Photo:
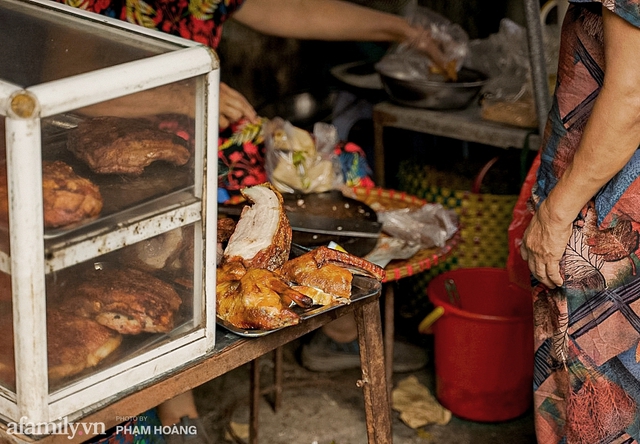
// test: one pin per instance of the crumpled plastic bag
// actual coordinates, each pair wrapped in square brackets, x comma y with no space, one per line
[504,58]
[417,406]
[429,226]
[507,97]
[296,161]
[390,248]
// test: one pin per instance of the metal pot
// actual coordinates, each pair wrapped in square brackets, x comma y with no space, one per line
[432,92]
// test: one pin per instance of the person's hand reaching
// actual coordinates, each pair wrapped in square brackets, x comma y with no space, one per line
[234,107]
[423,41]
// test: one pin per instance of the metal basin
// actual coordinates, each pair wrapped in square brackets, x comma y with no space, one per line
[432,92]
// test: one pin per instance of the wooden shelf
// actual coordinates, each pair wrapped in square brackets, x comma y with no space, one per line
[465,124]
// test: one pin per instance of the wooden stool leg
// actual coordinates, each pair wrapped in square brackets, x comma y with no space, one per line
[389,331]
[374,381]
[254,401]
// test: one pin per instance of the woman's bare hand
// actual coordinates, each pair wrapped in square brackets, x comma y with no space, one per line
[423,41]
[543,245]
[234,107]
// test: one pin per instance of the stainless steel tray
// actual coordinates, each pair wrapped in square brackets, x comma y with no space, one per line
[361,288]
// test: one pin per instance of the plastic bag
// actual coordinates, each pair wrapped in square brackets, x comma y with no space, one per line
[429,226]
[297,161]
[504,57]
[412,64]
[508,96]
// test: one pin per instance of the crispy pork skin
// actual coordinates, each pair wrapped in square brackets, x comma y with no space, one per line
[225,228]
[67,197]
[74,344]
[114,145]
[262,237]
[129,301]
[7,360]
[5,287]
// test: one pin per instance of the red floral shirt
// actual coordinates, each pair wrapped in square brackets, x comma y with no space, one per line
[197,20]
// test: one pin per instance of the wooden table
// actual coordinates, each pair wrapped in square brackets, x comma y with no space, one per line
[233,351]
[420,262]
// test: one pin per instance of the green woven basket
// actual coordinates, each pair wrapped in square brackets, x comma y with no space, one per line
[484,218]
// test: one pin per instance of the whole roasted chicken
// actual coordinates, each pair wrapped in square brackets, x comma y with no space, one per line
[258,288]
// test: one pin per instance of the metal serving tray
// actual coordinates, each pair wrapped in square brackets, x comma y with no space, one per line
[361,287]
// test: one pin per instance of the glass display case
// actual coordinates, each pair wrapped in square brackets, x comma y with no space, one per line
[107,210]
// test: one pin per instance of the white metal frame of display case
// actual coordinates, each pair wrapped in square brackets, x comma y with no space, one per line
[29,261]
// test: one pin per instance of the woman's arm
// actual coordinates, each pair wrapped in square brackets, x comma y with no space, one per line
[611,137]
[334,20]
[322,20]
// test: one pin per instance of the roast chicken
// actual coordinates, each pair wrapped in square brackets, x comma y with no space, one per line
[259,288]
[260,299]
[325,274]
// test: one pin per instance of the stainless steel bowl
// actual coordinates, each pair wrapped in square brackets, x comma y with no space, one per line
[436,93]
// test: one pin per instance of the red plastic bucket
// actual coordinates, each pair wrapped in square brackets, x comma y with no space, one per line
[483,344]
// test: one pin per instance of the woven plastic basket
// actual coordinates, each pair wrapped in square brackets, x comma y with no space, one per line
[484,218]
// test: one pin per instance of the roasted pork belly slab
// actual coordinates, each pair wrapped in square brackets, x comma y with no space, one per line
[74,344]
[114,145]
[262,237]
[129,301]
[67,197]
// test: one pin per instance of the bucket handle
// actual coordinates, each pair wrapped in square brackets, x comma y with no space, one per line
[477,182]
[425,325]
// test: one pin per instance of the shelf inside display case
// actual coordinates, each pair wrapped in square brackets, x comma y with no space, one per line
[120,192]
[163,195]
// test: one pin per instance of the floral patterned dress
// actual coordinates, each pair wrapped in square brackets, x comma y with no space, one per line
[197,20]
[587,354]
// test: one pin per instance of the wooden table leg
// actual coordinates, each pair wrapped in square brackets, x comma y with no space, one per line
[389,331]
[277,378]
[254,401]
[374,381]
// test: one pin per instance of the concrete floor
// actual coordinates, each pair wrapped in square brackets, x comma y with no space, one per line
[328,408]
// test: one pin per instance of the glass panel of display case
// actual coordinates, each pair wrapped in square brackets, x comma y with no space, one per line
[7,367]
[61,45]
[117,155]
[115,307]
[109,290]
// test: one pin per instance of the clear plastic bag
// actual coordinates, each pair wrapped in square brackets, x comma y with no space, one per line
[297,161]
[504,57]
[406,62]
[429,226]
